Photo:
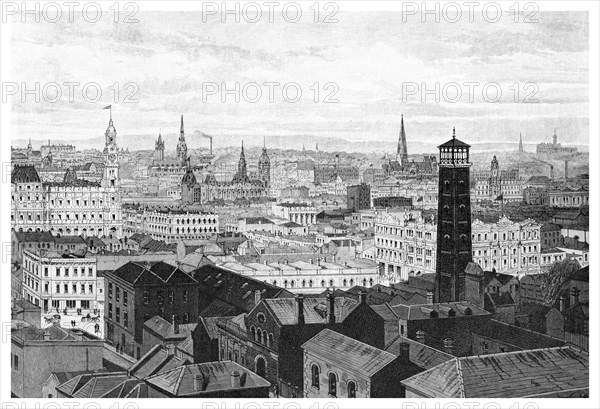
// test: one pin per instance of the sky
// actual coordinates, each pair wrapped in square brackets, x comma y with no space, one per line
[373,61]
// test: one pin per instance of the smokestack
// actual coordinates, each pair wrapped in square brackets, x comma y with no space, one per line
[257,297]
[175,324]
[561,305]
[362,297]
[331,307]
[449,346]
[566,169]
[429,297]
[574,296]
[552,173]
[300,308]
[235,379]
[404,351]
[421,336]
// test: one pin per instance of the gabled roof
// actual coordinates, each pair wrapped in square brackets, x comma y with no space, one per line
[156,360]
[234,289]
[504,279]
[315,309]
[500,299]
[216,377]
[454,143]
[158,273]
[163,328]
[24,174]
[438,310]
[342,351]
[34,237]
[519,374]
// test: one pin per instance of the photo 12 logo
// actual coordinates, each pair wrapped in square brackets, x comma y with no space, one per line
[54,92]
[268,91]
[271,11]
[470,91]
[68,11]
[471,11]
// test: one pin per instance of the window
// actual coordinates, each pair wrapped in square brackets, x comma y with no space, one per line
[171,296]
[125,298]
[315,376]
[117,294]
[57,288]
[16,362]
[118,314]
[110,290]
[145,297]
[332,384]
[110,311]
[125,319]
[160,296]
[351,389]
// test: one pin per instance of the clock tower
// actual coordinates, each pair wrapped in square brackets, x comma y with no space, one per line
[110,178]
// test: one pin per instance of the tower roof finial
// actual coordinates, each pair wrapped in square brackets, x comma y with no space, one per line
[453,132]
[181,126]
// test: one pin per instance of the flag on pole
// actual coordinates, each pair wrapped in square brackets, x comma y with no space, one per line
[107,107]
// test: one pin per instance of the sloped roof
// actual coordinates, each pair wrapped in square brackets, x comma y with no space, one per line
[284,309]
[34,237]
[156,360]
[507,375]
[454,143]
[516,336]
[158,273]
[488,276]
[165,329]
[438,310]
[583,274]
[24,174]
[346,352]
[216,375]
[420,354]
[500,299]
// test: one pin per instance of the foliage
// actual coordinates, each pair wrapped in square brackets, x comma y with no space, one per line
[553,281]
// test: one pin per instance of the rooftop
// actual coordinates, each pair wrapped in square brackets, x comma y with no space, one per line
[532,373]
[315,309]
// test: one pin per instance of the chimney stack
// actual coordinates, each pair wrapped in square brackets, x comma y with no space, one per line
[449,346]
[235,379]
[331,307]
[421,336]
[429,297]
[175,324]
[200,383]
[300,308]
[561,305]
[362,297]
[404,351]
[170,350]
[574,296]
[257,297]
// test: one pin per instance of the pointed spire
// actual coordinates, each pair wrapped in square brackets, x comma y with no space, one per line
[453,132]
[264,142]
[402,151]
[181,126]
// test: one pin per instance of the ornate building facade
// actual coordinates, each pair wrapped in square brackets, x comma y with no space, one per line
[554,148]
[72,206]
[240,187]
[491,184]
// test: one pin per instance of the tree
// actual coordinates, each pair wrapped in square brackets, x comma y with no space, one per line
[559,273]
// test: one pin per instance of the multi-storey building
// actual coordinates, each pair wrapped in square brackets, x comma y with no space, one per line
[506,246]
[495,182]
[358,197]
[136,292]
[55,281]
[536,196]
[569,197]
[73,206]
[170,225]
[405,243]
[301,213]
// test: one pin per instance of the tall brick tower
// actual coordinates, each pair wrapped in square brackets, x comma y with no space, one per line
[454,248]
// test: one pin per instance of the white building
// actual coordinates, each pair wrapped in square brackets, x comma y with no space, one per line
[301,213]
[51,280]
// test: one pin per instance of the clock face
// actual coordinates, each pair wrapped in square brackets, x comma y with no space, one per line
[111,140]
[112,157]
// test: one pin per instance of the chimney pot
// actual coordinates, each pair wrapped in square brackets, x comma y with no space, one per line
[170,350]
[429,297]
[46,335]
[257,297]
[362,297]
[175,324]
[404,351]
[235,379]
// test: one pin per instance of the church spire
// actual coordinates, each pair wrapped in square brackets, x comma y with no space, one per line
[182,146]
[402,151]
[520,142]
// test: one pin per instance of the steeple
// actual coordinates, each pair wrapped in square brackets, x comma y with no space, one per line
[264,166]
[402,151]
[29,148]
[241,175]
[554,137]
[182,146]
[520,142]
[159,148]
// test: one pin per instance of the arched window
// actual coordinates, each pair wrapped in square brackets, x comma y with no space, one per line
[315,376]
[265,337]
[351,389]
[253,332]
[332,384]
[270,344]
